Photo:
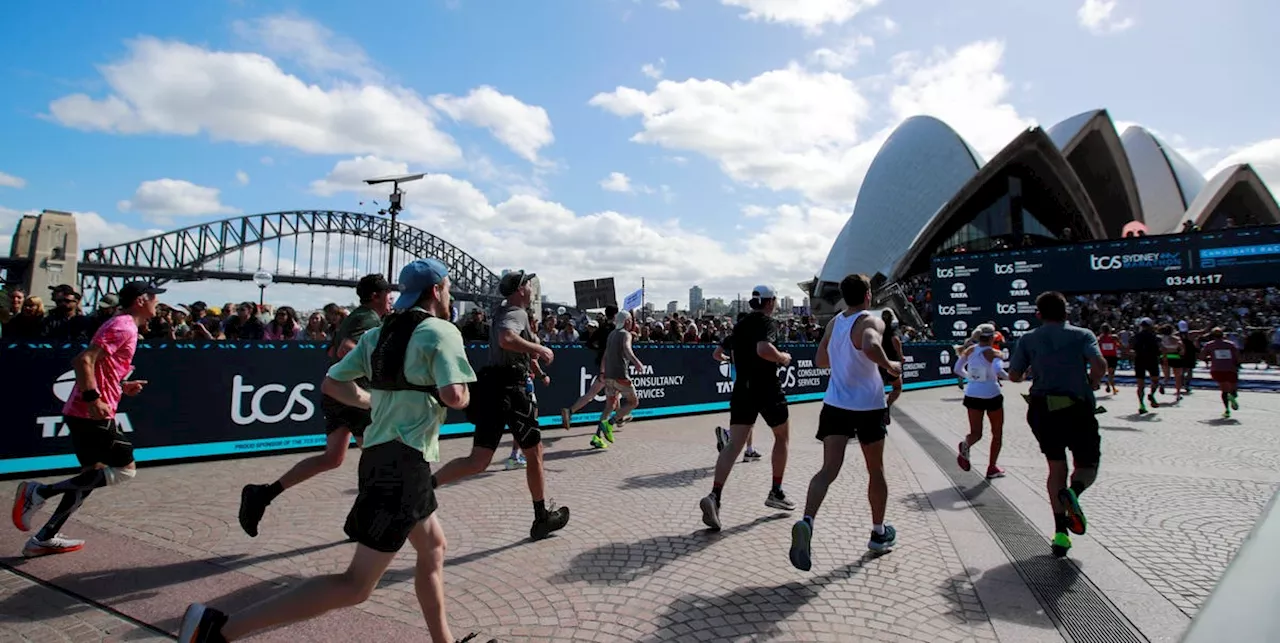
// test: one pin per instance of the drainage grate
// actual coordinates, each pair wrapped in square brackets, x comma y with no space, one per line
[1075,604]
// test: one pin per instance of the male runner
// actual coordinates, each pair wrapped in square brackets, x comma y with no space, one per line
[1224,368]
[1109,346]
[104,453]
[893,349]
[617,355]
[724,353]
[596,341]
[503,400]
[341,421]
[1060,408]
[1146,362]
[415,365]
[853,407]
[756,393]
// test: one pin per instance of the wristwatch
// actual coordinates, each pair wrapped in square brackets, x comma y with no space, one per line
[90,396]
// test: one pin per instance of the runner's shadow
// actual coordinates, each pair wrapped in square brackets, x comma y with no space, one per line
[564,455]
[622,563]
[670,480]
[1221,422]
[1121,428]
[760,610]
[1138,417]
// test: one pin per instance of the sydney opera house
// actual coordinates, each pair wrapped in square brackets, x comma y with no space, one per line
[928,192]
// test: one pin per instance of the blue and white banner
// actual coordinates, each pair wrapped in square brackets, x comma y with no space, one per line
[634,300]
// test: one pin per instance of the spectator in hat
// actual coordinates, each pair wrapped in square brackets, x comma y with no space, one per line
[66,323]
[108,306]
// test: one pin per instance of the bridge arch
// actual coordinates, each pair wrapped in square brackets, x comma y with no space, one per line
[186,253]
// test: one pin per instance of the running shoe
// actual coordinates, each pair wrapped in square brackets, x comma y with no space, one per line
[1099,409]
[1071,503]
[517,462]
[710,511]
[200,623]
[1142,410]
[26,502]
[598,443]
[1151,397]
[468,638]
[994,471]
[253,505]
[555,520]
[1235,402]
[801,534]
[1061,544]
[566,418]
[606,430]
[59,544]
[778,500]
[751,455]
[962,458]
[881,542]
[1226,415]
[722,438]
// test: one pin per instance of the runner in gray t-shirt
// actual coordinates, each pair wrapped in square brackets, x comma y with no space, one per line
[617,354]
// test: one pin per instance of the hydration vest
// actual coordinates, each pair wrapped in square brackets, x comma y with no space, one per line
[387,360]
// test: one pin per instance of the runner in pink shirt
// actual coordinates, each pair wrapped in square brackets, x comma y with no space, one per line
[104,452]
[1224,366]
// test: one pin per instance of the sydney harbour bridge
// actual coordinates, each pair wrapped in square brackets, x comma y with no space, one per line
[315,247]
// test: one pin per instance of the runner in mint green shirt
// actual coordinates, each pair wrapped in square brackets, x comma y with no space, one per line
[396,501]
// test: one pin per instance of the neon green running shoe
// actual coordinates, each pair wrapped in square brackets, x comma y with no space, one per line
[606,429]
[597,443]
[1061,544]
[1071,503]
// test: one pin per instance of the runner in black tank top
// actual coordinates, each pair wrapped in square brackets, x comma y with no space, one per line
[893,349]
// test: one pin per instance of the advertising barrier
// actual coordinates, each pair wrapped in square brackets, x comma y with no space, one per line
[970,289]
[206,399]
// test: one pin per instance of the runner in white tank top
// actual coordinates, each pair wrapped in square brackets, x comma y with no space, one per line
[983,369]
[853,407]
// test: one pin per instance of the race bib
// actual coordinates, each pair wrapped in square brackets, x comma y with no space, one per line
[1222,353]
[1108,347]
[982,374]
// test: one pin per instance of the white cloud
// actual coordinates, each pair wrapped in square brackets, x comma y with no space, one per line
[11,181]
[810,14]
[440,192]
[8,223]
[654,71]
[165,198]
[755,211]
[1264,156]
[170,87]
[673,5]
[242,177]
[312,45]
[617,182]
[523,128]
[842,56]
[1098,17]
[888,25]
[267,160]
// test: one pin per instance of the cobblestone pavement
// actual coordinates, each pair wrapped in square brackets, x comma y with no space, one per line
[1178,491]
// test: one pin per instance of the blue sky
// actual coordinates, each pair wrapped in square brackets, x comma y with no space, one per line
[739,129]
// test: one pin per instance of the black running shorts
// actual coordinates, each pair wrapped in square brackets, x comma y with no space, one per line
[395,495]
[1112,361]
[762,401]
[866,426]
[497,404]
[984,403]
[339,416]
[1147,369]
[1074,428]
[99,442]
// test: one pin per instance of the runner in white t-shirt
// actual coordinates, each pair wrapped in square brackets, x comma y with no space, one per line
[982,368]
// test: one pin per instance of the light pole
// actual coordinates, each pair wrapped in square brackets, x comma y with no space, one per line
[263,279]
[393,210]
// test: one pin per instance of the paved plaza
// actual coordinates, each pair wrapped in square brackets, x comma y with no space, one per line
[1178,493]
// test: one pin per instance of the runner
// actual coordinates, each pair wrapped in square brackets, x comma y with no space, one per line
[595,341]
[756,393]
[1190,349]
[504,399]
[1146,363]
[1171,360]
[1060,408]
[341,421]
[724,353]
[617,355]
[103,451]
[893,349]
[853,407]
[418,366]
[1224,367]
[983,367]
[1109,345]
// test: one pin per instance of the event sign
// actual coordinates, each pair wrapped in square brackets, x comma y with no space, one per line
[206,399]
[973,288]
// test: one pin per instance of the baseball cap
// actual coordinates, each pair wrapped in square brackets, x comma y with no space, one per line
[416,278]
[1145,321]
[108,301]
[986,330]
[135,289]
[371,285]
[512,281]
[763,292]
[1183,326]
